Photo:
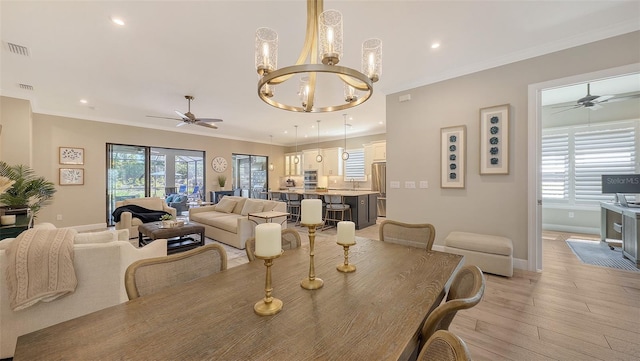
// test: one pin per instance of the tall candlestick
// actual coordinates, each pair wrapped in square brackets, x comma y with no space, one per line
[311,211]
[268,239]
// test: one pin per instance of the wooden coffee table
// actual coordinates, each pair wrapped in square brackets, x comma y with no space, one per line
[177,237]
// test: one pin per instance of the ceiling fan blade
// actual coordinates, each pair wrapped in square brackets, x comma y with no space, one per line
[602,98]
[184,117]
[181,124]
[573,107]
[206,125]
[626,97]
[566,106]
[209,120]
[153,116]
[595,107]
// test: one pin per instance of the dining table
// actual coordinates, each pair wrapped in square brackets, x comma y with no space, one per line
[374,313]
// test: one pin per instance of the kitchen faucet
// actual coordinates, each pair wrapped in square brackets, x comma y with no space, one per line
[354,184]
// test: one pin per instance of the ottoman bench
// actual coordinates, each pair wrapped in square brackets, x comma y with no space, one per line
[493,254]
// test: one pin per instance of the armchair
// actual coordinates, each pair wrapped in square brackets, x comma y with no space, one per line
[127,221]
[179,202]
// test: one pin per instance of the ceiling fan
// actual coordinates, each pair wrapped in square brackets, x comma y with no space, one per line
[189,118]
[593,102]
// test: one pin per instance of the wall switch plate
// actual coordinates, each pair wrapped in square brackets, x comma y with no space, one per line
[410,184]
[424,184]
[394,184]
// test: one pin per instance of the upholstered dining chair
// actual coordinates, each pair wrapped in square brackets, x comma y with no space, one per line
[151,275]
[290,240]
[465,292]
[444,346]
[419,235]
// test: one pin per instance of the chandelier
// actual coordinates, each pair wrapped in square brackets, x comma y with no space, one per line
[323,50]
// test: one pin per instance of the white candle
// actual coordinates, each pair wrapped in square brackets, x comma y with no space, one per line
[311,211]
[268,240]
[346,233]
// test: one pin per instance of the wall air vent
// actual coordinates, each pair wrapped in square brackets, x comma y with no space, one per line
[25,86]
[18,49]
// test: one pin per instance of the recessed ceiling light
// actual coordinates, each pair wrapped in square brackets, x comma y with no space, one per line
[117,21]
[83,101]
[435,45]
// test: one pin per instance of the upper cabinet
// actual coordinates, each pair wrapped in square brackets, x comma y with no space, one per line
[379,151]
[333,163]
[309,157]
[290,166]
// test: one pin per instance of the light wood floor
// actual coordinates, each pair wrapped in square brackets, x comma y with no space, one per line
[570,311]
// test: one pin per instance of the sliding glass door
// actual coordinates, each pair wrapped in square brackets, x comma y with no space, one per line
[137,171]
[250,175]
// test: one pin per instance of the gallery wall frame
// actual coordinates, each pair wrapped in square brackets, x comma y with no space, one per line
[453,154]
[494,140]
[71,176]
[70,155]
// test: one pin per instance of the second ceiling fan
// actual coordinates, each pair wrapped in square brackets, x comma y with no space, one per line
[189,118]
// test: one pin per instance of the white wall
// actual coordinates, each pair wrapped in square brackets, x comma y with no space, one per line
[492,204]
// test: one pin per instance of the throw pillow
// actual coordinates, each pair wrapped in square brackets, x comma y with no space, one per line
[170,198]
[251,206]
[226,205]
[95,237]
[178,198]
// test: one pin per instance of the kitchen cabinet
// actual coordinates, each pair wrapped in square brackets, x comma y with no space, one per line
[290,167]
[309,158]
[364,210]
[333,163]
[379,151]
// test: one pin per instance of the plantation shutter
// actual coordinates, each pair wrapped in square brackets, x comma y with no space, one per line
[555,166]
[354,166]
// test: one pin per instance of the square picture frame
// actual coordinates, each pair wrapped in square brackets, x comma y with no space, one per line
[494,140]
[70,155]
[453,154]
[71,176]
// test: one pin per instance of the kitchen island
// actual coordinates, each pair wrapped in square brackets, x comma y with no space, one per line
[364,203]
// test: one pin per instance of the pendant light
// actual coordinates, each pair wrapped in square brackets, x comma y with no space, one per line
[319,156]
[271,166]
[296,160]
[345,154]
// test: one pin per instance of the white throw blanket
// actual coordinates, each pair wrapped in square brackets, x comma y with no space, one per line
[40,266]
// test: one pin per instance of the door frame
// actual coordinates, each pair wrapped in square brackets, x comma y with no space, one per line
[534,197]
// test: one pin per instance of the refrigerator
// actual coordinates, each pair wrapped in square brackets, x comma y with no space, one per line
[379,184]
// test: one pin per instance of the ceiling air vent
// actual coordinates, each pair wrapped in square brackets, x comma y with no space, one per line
[25,86]
[18,49]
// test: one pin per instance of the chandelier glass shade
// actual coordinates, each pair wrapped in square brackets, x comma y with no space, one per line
[316,67]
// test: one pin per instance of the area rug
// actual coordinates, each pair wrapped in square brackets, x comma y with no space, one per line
[599,254]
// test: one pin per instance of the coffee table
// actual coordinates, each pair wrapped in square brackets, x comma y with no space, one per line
[177,237]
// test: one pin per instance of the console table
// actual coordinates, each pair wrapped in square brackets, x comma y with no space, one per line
[617,222]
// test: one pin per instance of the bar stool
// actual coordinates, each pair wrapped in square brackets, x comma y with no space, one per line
[335,205]
[294,205]
[275,196]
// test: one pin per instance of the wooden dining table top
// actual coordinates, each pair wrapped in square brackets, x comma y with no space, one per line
[374,313]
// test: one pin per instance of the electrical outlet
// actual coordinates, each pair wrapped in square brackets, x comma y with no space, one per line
[571,214]
[59,217]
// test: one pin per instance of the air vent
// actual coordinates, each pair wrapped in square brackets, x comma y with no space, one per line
[25,86]
[18,49]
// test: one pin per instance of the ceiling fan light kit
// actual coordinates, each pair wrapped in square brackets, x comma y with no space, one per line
[323,48]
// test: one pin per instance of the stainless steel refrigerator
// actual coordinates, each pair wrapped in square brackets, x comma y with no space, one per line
[379,184]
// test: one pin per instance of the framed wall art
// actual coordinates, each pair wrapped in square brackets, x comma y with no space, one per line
[453,150]
[494,140]
[71,155]
[71,176]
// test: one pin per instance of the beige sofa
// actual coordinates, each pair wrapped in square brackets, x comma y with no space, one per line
[100,260]
[227,221]
[128,222]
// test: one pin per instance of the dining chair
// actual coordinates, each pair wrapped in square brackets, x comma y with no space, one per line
[290,240]
[151,275]
[419,235]
[465,292]
[444,346]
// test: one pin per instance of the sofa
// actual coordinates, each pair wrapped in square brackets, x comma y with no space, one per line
[100,261]
[127,221]
[227,221]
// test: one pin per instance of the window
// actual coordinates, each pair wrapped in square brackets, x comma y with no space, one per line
[574,159]
[354,166]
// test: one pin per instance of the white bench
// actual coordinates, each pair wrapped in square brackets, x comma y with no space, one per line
[493,254]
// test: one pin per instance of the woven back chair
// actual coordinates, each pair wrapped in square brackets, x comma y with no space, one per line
[151,275]
[417,235]
[465,292]
[290,240]
[444,346]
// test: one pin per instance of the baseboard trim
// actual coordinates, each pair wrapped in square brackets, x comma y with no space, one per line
[570,229]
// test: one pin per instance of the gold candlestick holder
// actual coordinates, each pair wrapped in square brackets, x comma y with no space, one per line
[312,282]
[268,305]
[346,267]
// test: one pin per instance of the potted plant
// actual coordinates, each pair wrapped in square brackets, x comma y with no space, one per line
[28,190]
[167,221]
[222,179]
